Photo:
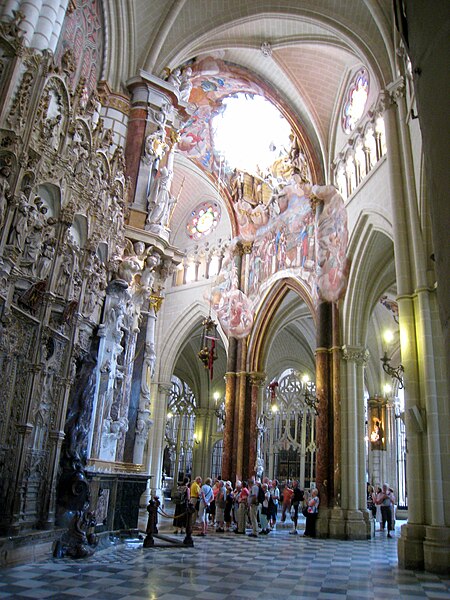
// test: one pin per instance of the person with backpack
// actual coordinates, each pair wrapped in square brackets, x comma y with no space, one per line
[181,497]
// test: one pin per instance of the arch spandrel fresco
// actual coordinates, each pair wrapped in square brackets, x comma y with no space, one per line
[293,243]
[274,207]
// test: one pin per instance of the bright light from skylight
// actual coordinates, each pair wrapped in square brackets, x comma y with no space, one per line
[250,132]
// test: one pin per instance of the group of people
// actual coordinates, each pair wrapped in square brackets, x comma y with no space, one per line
[253,504]
[381,502]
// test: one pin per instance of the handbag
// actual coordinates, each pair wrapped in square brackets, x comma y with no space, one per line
[305,511]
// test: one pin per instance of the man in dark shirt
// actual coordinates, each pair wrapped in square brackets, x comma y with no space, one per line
[296,502]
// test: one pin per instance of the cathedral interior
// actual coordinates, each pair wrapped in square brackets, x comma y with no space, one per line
[170,308]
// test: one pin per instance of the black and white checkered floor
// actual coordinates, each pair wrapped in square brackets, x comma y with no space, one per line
[227,566]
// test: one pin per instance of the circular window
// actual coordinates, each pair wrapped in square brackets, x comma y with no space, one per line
[356,99]
[203,220]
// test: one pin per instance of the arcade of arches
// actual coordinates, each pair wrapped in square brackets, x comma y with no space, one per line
[164,311]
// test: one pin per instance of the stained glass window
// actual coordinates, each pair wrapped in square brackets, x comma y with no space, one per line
[355,101]
[203,220]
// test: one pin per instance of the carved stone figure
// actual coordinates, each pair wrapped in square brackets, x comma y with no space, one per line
[5,195]
[68,63]
[64,274]
[19,228]
[175,78]
[33,240]
[118,162]
[186,84]
[154,148]
[95,107]
[45,259]
[108,139]
[51,129]
[160,200]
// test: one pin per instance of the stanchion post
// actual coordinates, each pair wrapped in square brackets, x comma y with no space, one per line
[190,510]
[152,528]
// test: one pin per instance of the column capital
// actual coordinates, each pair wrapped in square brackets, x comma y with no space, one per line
[257,378]
[396,90]
[242,248]
[356,354]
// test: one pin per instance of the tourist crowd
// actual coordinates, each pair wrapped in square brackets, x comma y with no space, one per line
[252,504]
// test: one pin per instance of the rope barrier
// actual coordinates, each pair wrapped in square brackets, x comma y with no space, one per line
[163,514]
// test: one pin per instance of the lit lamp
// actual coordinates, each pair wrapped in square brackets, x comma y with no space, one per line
[273,396]
[219,409]
[309,389]
[394,372]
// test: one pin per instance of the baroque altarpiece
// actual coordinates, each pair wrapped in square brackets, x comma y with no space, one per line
[73,290]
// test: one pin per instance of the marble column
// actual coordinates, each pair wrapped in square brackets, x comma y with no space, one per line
[230,403]
[324,437]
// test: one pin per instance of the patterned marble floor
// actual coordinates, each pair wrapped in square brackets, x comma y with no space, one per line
[228,566]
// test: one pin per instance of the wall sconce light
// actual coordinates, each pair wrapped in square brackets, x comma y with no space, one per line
[170,415]
[219,409]
[196,440]
[394,372]
[309,391]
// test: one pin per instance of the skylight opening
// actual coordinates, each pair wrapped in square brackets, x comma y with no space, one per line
[250,133]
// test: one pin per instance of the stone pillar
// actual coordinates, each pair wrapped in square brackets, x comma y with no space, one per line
[235,412]
[425,539]
[154,458]
[324,470]
[230,403]
[255,459]
[148,370]
[357,522]
[244,416]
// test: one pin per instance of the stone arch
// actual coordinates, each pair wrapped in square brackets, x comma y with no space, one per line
[256,355]
[51,195]
[372,270]
[192,317]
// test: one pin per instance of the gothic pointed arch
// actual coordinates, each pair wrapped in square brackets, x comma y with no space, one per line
[264,319]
